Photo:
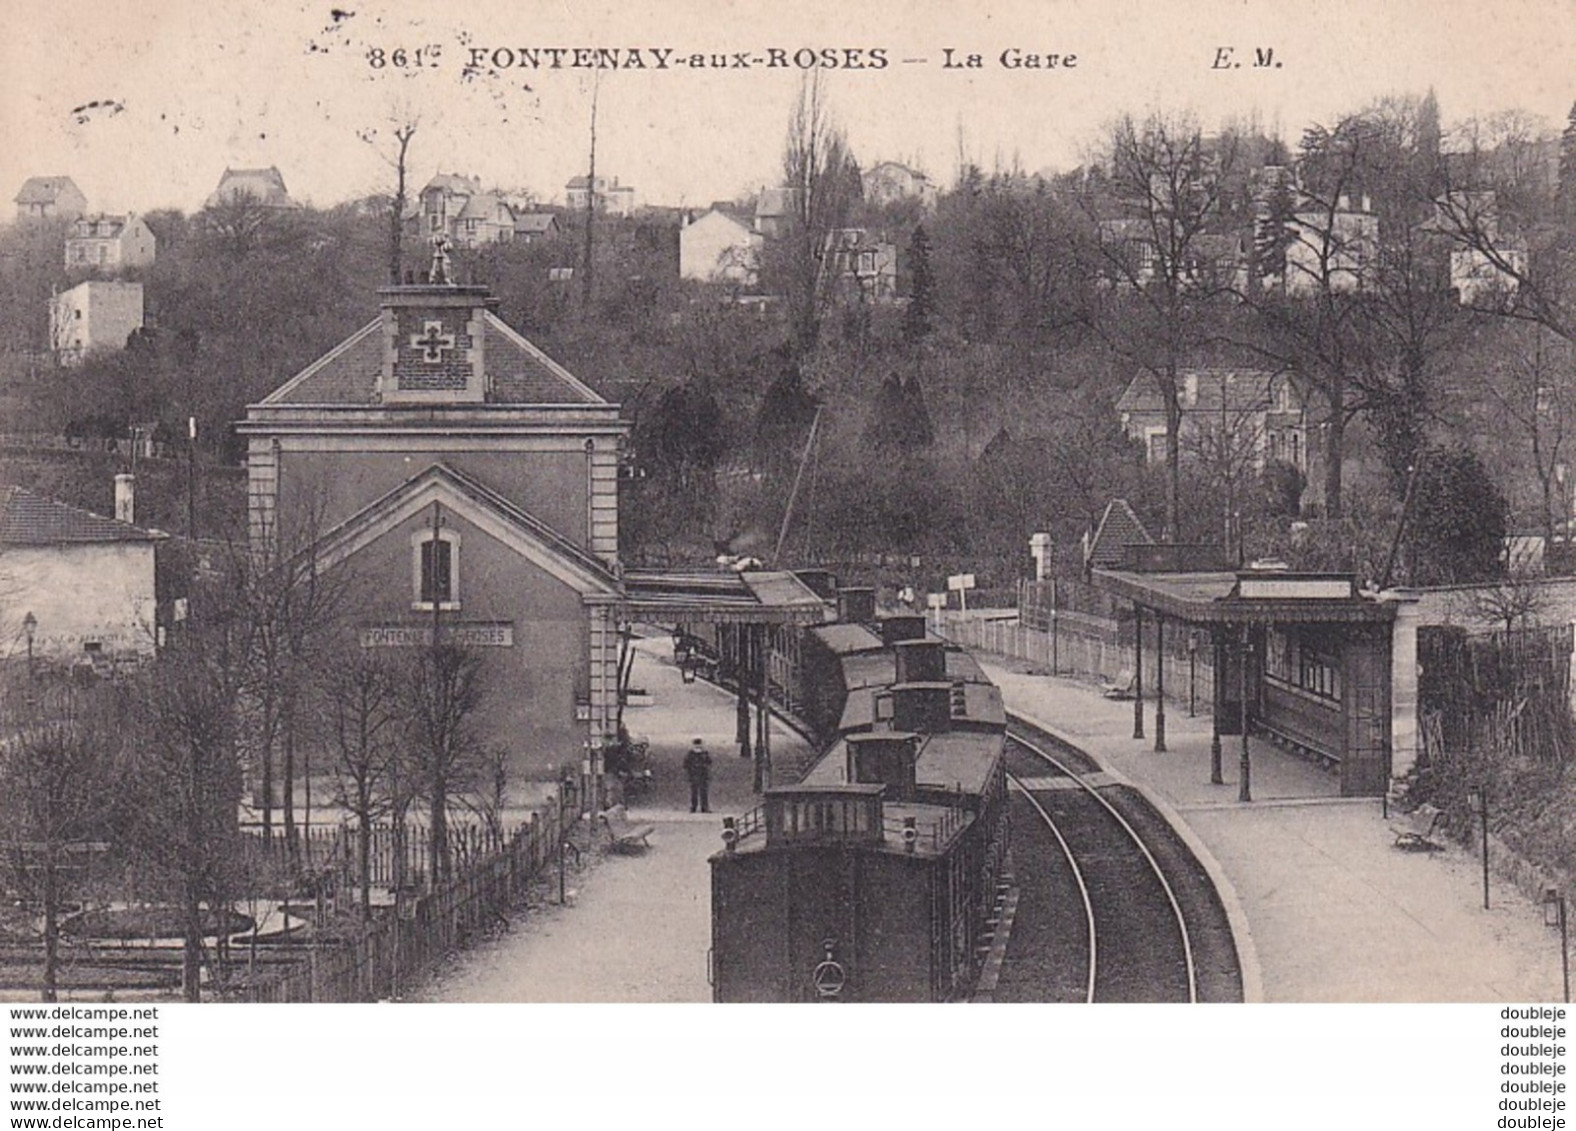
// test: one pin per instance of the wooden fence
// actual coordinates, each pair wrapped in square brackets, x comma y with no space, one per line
[378,959]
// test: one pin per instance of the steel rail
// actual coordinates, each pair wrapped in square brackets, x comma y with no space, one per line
[1072,862]
[1176,906]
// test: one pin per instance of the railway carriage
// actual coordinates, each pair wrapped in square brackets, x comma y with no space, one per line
[871,878]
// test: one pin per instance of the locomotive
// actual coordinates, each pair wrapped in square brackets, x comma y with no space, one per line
[873,876]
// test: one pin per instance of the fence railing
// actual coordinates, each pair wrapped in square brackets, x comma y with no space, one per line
[378,959]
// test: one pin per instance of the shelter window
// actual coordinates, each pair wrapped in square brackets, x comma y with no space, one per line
[435,570]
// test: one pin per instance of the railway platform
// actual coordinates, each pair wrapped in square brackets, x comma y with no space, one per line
[637,926]
[1325,909]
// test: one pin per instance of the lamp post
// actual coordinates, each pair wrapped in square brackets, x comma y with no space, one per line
[1245,766]
[1477,799]
[1554,916]
[29,628]
[1192,674]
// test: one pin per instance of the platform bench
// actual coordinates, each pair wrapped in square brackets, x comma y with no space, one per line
[624,835]
[1121,687]
[1417,830]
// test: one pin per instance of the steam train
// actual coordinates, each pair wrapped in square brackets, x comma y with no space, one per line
[872,877]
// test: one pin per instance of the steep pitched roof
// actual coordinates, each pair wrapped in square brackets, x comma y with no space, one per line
[266,185]
[485,206]
[535,223]
[455,183]
[518,372]
[1119,528]
[29,519]
[44,190]
[1203,390]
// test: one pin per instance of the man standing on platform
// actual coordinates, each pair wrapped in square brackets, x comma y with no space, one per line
[697,768]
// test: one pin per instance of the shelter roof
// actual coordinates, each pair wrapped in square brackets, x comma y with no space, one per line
[723,596]
[1222,597]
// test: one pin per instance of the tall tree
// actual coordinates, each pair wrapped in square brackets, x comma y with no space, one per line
[361,694]
[186,776]
[60,788]
[1165,179]
[443,690]
[822,184]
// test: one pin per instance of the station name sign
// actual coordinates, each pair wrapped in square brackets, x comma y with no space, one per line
[1295,588]
[469,634]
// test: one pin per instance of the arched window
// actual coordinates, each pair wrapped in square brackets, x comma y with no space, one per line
[435,569]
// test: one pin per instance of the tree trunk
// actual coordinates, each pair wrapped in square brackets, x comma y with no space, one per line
[1171,532]
[438,830]
[191,952]
[1334,453]
[51,923]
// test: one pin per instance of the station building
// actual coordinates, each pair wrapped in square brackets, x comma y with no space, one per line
[465,485]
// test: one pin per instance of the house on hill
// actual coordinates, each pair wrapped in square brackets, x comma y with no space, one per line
[890,182]
[775,209]
[455,206]
[532,226]
[1339,244]
[611,197]
[264,186]
[857,266]
[109,243]
[50,198]
[719,247]
[1240,419]
[79,587]
[94,315]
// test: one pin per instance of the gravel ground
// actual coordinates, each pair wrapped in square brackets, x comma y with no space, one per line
[637,927]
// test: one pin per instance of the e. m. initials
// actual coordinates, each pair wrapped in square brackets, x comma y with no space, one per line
[1225,59]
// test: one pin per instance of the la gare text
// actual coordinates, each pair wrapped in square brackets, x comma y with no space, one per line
[670,58]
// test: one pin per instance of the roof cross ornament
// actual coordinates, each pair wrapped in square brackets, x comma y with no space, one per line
[432,341]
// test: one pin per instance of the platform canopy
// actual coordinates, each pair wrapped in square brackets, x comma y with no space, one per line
[1248,597]
[722,597]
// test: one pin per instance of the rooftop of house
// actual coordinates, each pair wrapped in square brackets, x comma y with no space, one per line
[1119,528]
[99,227]
[1210,390]
[455,183]
[484,206]
[535,223]
[266,185]
[44,190]
[30,519]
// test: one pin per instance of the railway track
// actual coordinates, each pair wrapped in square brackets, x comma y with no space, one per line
[1112,906]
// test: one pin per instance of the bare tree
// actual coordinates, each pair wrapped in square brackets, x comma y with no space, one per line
[186,775]
[60,761]
[443,690]
[288,609]
[821,179]
[361,694]
[1166,180]
[1535,399]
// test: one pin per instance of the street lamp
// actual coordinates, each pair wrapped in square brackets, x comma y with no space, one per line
[1554,916]
[29,628]
[1477,799]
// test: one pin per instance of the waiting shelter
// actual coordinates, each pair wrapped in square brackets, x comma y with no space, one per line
[1303,659]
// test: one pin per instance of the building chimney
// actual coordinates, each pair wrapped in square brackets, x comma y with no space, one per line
[126,497]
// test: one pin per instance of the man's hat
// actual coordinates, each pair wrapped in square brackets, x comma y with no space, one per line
[698,742]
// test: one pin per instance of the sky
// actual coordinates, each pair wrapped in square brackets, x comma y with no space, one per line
[145,103]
